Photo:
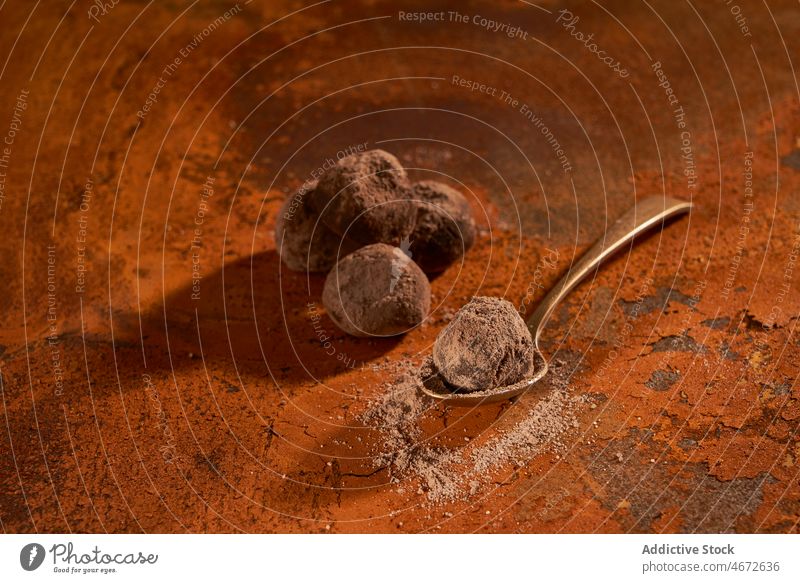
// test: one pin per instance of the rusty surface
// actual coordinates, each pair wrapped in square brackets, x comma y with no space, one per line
[141,401]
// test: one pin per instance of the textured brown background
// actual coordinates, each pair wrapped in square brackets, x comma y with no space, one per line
[226,413]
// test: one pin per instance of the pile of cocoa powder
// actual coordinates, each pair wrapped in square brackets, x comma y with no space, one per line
[448,474]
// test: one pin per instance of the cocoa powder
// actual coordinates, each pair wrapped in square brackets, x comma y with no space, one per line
[449,474]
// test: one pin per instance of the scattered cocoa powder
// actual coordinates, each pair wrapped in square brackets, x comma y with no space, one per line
[396,415]
[449,474]
[541,428]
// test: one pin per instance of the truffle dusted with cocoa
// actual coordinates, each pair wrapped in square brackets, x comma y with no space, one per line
[486,345]
[444,229]
[377,291]
[366,196]
[304,242]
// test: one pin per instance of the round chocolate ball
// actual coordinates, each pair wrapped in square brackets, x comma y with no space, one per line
[485,345]
[366,197]
[377,291]
[444,229]
[304,242]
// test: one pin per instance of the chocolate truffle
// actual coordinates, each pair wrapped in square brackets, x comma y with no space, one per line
[444,227]
[305,243]
[486,345]
[366,196]
[377,291]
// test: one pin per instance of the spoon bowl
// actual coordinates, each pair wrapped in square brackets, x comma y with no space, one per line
[433,385]
[648,213]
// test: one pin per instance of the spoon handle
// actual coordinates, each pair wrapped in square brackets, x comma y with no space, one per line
[646,214]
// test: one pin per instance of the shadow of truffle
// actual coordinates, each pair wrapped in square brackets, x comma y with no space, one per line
[256,316]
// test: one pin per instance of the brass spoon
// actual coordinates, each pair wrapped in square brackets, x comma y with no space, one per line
[648,213]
